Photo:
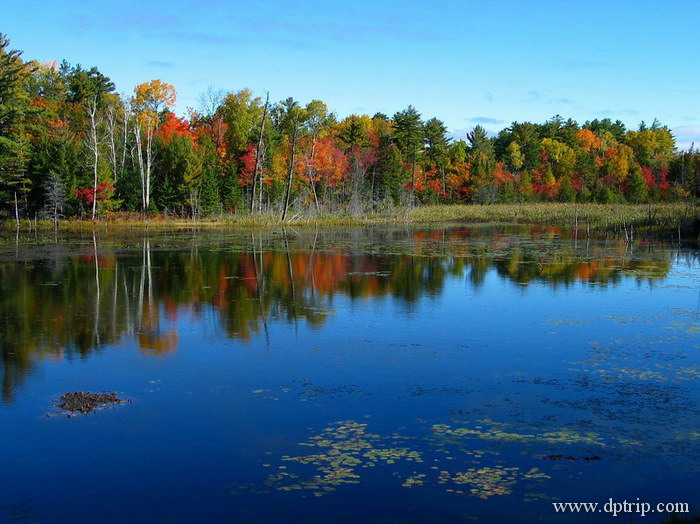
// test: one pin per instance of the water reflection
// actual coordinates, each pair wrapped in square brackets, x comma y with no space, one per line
[58,304]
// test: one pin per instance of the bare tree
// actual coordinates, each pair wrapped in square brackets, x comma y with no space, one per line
[93,145]
[209,104]
[144,171]
[55,197]
[210,101]
[117,123]
[290,169]
[258,153]
[125,108]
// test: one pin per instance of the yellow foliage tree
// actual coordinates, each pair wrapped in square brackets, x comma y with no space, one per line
[148,100]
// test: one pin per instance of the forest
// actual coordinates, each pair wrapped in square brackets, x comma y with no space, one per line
[71,146]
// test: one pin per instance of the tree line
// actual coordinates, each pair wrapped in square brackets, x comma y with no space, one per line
[71,146]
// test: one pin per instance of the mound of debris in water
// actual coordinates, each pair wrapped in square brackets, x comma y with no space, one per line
[86,402]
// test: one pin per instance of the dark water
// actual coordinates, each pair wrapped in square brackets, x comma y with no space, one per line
[348,376]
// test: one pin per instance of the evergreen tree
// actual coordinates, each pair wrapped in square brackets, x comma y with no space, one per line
[390,169]
[637,187]
[14,141]
[408,135]
[566,190]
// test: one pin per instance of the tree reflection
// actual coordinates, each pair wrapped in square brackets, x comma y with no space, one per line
[61,305]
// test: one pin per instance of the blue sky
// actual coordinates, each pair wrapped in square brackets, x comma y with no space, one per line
[464,62]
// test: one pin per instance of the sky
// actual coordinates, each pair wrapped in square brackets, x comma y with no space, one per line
[464,62]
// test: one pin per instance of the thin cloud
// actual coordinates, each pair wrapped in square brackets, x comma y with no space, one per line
[200,37]
[486,120]
[532,96]
[145,21]
[610,113]
[158,63]
[686,131]
[686,136]
[686,145]
[333,31]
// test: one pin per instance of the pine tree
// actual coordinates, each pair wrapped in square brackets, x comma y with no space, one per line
[637,187]
[14,143]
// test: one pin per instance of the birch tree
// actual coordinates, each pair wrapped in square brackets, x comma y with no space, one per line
[93,144]
[148,101]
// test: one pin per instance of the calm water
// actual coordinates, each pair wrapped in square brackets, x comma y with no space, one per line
[468,374]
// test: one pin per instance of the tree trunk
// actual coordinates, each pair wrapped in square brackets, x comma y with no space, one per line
[126,133]
[111,128]
[257,158]
[139,158]
[290,172]
[149,163]
[16,211]
[95,148]
[311,172]
[413,175]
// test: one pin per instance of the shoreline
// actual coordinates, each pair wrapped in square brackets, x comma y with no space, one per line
[684,218]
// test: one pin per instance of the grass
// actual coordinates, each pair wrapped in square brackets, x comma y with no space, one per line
[593,216]
[623,218]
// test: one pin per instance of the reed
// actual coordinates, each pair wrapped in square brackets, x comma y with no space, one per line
[623,218]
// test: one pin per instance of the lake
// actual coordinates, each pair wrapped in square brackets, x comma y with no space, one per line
[353,375]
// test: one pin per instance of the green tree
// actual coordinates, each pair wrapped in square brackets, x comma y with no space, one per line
[527,136]
[392,176]
[515,157]
[408,136]
[617,129]
[242,114]
[480,142]
[209,190]
[353,133]
[637,187]
[566,190]
[86,85]
[14,108]
[436,143]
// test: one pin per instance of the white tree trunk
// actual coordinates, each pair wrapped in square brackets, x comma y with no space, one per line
[94,146]
[149,163]
[139,157]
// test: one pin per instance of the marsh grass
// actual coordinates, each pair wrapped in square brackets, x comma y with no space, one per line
[595,216]
[679,218]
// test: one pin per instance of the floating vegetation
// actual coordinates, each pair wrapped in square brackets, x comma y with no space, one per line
[662,374]
[417,391]
[688,327]
[312,391]
[343,447]
[642,359]
[391,455]
[497,432]
[414,480]
[346,447]
[487,481]
[306,390]
[566,322]
[569,458]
